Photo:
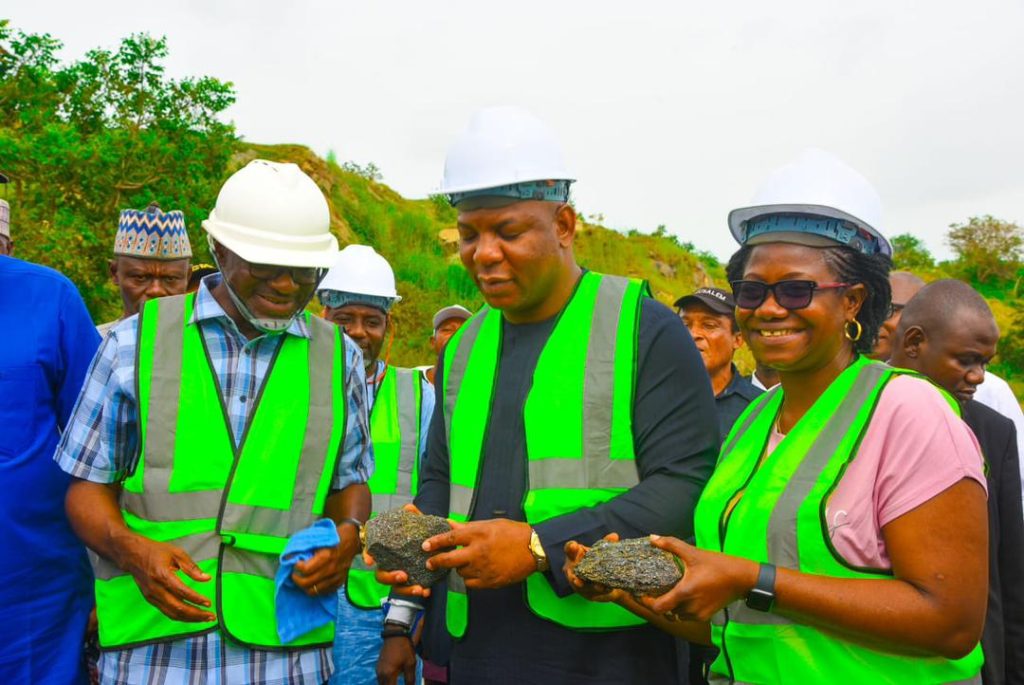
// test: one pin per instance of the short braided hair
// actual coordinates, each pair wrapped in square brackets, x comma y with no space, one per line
[849,266]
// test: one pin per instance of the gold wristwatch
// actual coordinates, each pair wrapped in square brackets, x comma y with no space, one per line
[537,550]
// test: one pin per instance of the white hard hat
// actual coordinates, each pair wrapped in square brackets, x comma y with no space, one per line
[272,213]
[503,146]
[821,185]
[359,270]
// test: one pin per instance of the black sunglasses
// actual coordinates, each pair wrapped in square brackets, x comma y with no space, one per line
[788,294]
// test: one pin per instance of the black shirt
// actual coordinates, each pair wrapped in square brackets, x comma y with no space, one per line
[676,443]
[1003,639]
[731,402]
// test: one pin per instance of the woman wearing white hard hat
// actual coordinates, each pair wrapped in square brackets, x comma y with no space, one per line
[219,430]
[842,537]
[358,294]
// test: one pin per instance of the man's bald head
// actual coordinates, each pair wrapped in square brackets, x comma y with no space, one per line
[939,306]
[948,333]
[904,286]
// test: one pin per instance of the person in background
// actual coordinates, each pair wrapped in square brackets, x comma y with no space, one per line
[197,274]
[46,594]
[993,391]
[151,259]
[709,314]
[904,286]
[948,333]
[6,243]
[764,377]
[996,393]
[216,429]
[843,535]
[358,294]
[576,405]
[447,321]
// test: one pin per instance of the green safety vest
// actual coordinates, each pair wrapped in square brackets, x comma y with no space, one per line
[395,433]
[232,510]
[781,519]
[578,423]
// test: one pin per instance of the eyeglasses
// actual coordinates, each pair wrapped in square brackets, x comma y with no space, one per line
[300,274]
[788,294]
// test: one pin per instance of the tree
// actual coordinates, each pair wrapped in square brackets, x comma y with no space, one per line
[85,139]
[910,254]
[987,249]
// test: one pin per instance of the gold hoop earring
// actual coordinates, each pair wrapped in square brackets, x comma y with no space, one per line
[853,337]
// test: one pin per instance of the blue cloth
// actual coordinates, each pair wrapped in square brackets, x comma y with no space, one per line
[297,612]
[46,593]
[357,641]
[100,446]
[357,645]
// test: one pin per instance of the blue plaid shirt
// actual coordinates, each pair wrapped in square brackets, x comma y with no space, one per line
[100,445]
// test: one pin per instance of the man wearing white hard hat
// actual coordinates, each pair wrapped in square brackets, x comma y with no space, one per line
[358,294]
[218,432]
[572,406]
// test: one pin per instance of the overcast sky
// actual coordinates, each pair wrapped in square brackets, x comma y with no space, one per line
[670,112]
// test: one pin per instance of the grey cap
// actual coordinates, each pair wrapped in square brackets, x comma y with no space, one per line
[454,311]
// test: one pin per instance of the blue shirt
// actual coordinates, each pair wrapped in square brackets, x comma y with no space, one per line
[100,446]
[46,593]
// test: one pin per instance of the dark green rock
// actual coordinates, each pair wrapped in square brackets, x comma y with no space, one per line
[631,565]
[395,538]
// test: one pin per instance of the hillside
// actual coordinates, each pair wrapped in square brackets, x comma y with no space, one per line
[418,238]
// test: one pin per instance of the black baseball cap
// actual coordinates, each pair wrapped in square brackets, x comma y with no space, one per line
[717,300]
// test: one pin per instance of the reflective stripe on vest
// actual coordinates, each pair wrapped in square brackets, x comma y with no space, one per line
[578,424]
[780,517]
[232,510]
[396,433]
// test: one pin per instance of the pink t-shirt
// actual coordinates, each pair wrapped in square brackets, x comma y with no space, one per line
[915,447]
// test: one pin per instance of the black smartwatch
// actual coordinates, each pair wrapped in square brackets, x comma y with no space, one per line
[762,596]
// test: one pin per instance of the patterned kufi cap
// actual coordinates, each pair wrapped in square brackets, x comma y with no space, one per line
[152,234]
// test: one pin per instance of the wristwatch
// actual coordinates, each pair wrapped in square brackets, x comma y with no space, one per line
[360,530]
[762,596]
[537,550]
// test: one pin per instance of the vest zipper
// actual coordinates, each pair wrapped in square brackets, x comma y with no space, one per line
[237,455]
